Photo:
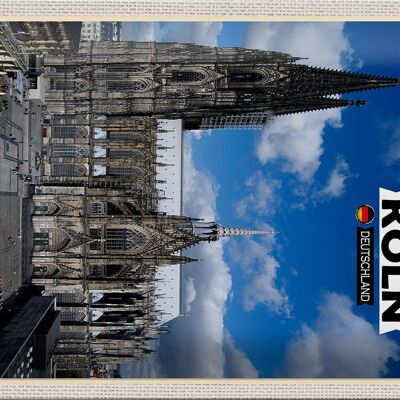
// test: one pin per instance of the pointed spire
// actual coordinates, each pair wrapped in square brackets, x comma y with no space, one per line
[305,81]
[228,231]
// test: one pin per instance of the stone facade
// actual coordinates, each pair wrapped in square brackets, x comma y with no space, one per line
[97,235]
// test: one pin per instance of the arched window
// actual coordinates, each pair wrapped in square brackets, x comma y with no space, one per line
[68,170]
[121,171]
[68,151]
[245,77]
[125,136]
[121,85]
[66,132]
[126,154]
[186,76]
[124,239]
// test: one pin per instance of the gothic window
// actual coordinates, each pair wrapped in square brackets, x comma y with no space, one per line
[126,154]
[121,171]
[95,233]
[186,76]
[97,207]
[124,239]
[75,315]
[61,84]
[124,136]
[68,170]
[40,238]
[68,151]
[125,68]
[64,132]
[66,297]
[245,77]
[121,85]
[46,209]
[133,209]
[113,209]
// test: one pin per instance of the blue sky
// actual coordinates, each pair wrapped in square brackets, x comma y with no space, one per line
[286,304]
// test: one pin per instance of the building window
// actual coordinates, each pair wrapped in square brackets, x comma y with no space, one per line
[124,239]
[68,151]
[120,171]
[64,132]
[68,170]
[124,136]
[121,85]
[186,76]
[245,77]
[126,154]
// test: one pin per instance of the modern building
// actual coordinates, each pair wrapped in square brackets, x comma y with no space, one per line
[29,329]
[107,212]
[101,31]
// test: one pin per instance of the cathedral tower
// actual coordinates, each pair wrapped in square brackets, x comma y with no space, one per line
[205,86]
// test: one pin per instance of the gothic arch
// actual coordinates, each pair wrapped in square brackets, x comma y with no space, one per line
[192,76]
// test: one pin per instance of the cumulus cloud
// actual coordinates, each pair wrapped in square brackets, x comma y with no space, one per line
[340,344]
[261,269]
[321,43]
[203,331]
[237,365]
[190,293]
[205,33]
[335,186]
[391,142]
[198,345]
[297,140]
[262,198]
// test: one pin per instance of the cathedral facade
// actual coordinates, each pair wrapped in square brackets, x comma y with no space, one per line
[98,237]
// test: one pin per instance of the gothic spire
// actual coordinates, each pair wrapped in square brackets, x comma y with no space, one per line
[210,231]
[304,81]
[224,231]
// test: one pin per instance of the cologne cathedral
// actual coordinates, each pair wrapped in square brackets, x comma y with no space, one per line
[98,236]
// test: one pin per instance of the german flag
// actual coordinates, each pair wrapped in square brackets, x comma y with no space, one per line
[365,214]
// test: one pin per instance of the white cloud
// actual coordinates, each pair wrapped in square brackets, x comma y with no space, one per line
[323,43]
[205,33]
[335,186]
[190,293]
[237,365]
[261,269]
[262,200]
[340,344]
[198,345]
[297,140]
